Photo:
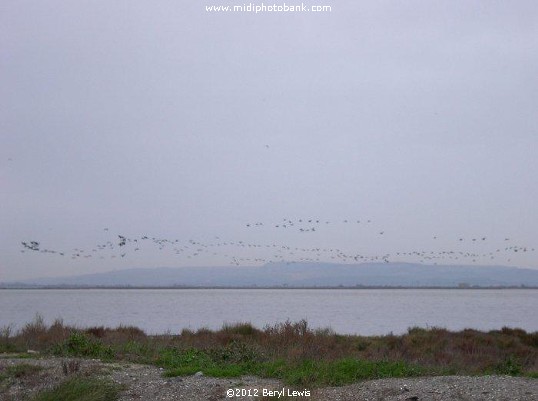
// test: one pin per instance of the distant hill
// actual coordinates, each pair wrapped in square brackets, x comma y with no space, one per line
[302,275]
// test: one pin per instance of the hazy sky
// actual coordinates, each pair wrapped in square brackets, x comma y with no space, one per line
[158,118]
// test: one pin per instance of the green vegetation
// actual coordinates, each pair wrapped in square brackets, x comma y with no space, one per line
[293,352]
[81,344]
[305,372]
[82,389]
[344,371]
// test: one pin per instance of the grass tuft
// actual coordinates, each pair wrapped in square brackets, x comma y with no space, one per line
[20,371]
[82,389]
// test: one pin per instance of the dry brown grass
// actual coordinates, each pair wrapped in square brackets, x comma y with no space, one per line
[36,335]
[118,335]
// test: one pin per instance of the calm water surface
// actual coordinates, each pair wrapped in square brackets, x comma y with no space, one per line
[364,312]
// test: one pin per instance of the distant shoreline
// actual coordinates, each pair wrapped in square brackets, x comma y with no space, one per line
[70,287]
[297,276]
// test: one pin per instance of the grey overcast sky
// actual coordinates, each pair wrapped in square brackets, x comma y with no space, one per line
[158,118]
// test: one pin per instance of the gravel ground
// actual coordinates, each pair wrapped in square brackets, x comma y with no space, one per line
[146,383]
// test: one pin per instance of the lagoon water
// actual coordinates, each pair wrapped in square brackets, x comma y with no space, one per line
[346,311]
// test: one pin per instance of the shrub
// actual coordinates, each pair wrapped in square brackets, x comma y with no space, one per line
[236,352]
[243,329]
[34,333]
[80,344]
[5,339]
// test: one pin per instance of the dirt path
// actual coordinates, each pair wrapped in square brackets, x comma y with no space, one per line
[147,383]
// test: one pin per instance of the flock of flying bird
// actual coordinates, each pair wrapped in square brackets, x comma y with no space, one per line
[251,252]
[304,225]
